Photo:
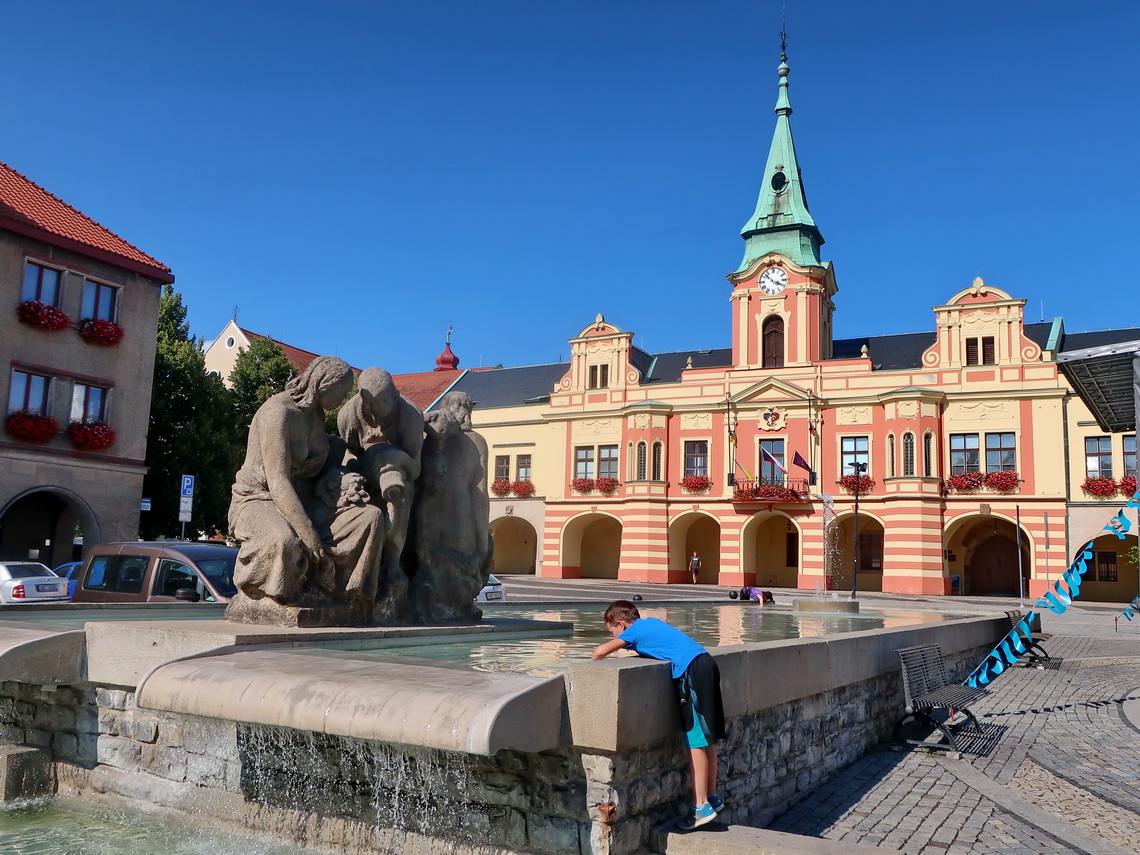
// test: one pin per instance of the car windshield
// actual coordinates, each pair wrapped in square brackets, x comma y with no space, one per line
[27,571]
[220,572]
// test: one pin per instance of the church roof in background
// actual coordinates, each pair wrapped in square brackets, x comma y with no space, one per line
[29,209]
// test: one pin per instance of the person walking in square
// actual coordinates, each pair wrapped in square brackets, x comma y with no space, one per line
[695,566]
[697,679]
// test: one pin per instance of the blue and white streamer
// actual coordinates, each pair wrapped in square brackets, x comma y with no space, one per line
[1065,590]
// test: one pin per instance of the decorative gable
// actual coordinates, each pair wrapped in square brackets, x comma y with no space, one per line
[980,325]
[600,359]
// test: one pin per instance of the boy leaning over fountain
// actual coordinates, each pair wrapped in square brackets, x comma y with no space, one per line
[697,679]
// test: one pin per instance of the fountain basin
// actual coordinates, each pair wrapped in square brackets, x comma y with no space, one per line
[841,607]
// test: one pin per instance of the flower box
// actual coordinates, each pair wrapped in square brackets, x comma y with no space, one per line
[31,427]
[857,484]
[1101,488]
[106,333]
[1002,482]
[1128,485]
[607,486]
[501,486]
[42,316]
[696,483]
[582,485]
[91,436]
[523,489]
[965,482]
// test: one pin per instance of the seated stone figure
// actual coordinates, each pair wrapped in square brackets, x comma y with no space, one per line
[384,431]
[450,533]
[295,551]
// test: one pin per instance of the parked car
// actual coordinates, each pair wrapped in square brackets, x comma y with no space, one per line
[156,572]
[70,572]
[30,582]
[492,592]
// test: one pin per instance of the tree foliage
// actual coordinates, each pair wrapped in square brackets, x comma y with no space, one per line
[260,372]
[192,431]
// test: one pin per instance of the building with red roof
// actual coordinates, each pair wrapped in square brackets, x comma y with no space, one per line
[77,339]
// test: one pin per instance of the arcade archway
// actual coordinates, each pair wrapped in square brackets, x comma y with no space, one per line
[40,525]
[1112,575]
[770,551]
[983,552]
[842,539]
[592,542]
[516,545]
[700,533]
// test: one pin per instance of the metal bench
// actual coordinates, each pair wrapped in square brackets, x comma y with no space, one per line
[926,689]
[1036,653]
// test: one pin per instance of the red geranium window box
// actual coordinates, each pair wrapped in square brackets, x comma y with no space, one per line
[523,489]
[106,333]
[42,316]
[607,486]
[696,483]
[1102,488]
[582,485]
[857,483]
[31,427]
[500,486]
[1003,482]
[1128,485]
[966,482]
[91,436]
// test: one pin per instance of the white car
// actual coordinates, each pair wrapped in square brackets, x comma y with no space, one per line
[30,582]
[492,592]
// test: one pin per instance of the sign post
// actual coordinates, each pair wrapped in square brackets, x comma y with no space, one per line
[186,502]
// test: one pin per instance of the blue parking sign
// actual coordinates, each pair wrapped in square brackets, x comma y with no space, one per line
[188,485]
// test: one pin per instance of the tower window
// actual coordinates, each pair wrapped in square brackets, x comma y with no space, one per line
[599,377]
[772,337]
[980,350]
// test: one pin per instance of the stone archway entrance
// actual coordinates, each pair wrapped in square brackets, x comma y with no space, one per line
[592,542]
[516,545]
[770,551]
[689,533]
[869,545]
[982,551]
[41,526]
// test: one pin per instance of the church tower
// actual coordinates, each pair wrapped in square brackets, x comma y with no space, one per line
[782,291]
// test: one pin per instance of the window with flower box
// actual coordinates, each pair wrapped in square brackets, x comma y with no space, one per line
[1098,457]
[607,461]
[697,457]
[98,301]
[1130,455]
[522,467]
[853,450]
[965,455]
[771,459]
[502,466]
[584,461]
[88,403]
[1001,452]
[28,392]
[41,283]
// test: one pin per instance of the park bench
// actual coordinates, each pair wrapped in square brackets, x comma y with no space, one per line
[1036,653]
[926,689]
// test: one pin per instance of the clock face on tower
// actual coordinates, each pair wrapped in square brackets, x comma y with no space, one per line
[773,281]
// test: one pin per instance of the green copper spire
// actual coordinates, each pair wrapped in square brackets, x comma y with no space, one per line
[782,222]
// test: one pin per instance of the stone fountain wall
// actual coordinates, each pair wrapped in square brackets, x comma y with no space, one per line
[797,711]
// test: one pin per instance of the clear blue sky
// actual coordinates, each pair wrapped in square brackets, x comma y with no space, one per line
[356,176]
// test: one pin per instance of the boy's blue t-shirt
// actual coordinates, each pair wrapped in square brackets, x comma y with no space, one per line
[658,640]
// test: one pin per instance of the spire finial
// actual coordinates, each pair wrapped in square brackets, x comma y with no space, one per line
[784,36]
[450,327]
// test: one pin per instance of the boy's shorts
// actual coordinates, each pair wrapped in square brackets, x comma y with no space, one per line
[702,712]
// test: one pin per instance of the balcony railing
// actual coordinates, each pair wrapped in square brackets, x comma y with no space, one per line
[771,490]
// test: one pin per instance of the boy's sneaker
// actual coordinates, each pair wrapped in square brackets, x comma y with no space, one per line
[698,816]
[715,803]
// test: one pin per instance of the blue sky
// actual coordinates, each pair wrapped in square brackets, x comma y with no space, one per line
[356,176]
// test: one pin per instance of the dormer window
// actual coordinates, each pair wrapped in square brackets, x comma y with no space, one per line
[980,350]
[599,377]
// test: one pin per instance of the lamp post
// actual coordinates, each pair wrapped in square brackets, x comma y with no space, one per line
[859,469]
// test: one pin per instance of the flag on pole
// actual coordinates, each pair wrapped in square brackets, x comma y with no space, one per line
[811,427]
[773,460]
[797,460]
[747,474]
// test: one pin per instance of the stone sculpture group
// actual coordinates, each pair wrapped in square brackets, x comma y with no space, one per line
[385,523]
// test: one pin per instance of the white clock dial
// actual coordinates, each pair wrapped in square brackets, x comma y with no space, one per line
[773,280]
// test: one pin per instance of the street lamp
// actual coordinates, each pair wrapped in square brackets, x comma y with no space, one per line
[859,468]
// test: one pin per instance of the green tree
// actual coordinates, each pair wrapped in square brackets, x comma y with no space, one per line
[192,431]
[260,372]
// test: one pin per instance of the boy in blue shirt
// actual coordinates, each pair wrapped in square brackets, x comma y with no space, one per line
[697,679]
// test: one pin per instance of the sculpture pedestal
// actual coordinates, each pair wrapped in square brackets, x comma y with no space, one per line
[266,612]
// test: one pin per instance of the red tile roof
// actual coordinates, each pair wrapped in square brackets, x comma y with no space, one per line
[298,358]
[29,209]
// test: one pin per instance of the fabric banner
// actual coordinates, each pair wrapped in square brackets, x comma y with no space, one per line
[798,460]
[1132,608]
[1065,590]
[766,453]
